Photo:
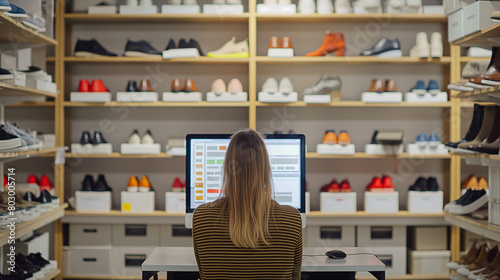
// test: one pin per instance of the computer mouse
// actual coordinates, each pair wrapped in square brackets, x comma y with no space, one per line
[336,254]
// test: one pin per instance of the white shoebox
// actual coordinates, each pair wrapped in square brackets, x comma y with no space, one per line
[393,257]
[384,97]
[381,202]
[38,84]
[428,262]
[318,99]
[136,97]
[87,261]
[327,149]
[51,87]
[19,79]
[181,53]
[176,151]
[182,97]
[278,97]
[330,236]
[138,10]
[102,10]
[383,150]
[137,235]
[275,52]
[227,97]
[277,9]
[369,7]
[89,149]
[412,97]
[216,9]
[180,9]
[8,60]
[140,149]
[381,236]
[338,202]
[139,202]
[494,212]
[38,243]
[428,238]
[425,202]
[477,16]
[451,6]
[433,9]
[415,149]
[48,140]
[93,201]
[127,261]
[456,25]
[93,97]
[175,202]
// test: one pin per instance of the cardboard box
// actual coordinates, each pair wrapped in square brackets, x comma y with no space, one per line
[338,202]
[428,262]
[425,202]
[93,201]
[330,236]
[428,238]
[137,202]
[382,202]
[89,235]
[135,235]
[380,236]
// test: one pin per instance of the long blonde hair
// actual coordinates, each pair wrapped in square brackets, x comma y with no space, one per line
[247,189]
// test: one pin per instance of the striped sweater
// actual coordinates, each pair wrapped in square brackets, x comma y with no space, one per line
[219,258]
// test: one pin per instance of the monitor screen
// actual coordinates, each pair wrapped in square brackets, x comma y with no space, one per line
[205,161]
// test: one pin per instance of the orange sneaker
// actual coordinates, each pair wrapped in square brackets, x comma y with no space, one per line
[387,184]
[133,184]
[144,184]
[330,137]
[345,187]
[344,138]
[482,184]
[472,183]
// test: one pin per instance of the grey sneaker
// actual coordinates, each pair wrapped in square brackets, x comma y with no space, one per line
[35,23]
[32,142]
[326,85]
[24,144]
[474,68]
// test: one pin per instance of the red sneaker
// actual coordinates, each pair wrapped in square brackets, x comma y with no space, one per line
[32,179]
[387,184]
[334,187]
[325,187]
[98,86]
[345,187]
[5,180]
[44,183]
[84,86]
[177,185]
[375,185]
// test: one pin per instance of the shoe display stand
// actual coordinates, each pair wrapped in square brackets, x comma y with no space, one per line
[411,97]
[416,149]
[138,10]
[381,202]
[278,52]
[425,202]
[227,97]
[338,203]
[92,201]
[181,53]
[89,149]
[91,97]
[325,149]
[139,202]
[140,149]
[182,97]
[383,150]
[222,10]
[102,10]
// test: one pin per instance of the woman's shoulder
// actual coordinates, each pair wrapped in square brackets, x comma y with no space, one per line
[208,207]
[285,210]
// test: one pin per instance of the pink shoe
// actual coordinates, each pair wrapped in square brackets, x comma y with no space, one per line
[234,86]
[218,86]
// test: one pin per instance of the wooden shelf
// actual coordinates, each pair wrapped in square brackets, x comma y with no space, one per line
[12,90]
[27,154]
[480,227]
[118,155]
[16,32]
[358,104]
[33,104]
[483,37]
[465,59]
[125,59]
[29,226]
[354,60]
[53,275]
[366,156]
[158,104]
[479,92]
[410,18]
[86,18]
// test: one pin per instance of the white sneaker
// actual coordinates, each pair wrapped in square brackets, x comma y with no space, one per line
[436,45]
[286,85]
[343,7]
[190,2]
[132,3]
[325,7]
[174,2]
[231,49]
[394,6]
[146,3]
[270,2]
[270,85]
[233,2]
[307,7]
[147,138]
[422,48]
[219,2]
[134,138]
[284,2]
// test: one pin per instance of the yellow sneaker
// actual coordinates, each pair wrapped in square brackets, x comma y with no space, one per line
[231,49]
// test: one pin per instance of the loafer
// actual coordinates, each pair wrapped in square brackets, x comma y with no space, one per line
[384,48]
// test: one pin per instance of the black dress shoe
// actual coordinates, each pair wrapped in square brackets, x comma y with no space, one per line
[88,183]
[89,48]
[131,86]
[420,185]
[45,197]
[98,138]
[183,44]
[432,184]
[383,45]
[29,196]
[475,126]
[194,44]
[85,139]
[171,45]
[101,185]
[140,49]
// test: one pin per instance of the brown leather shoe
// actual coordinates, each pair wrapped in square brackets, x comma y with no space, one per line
[491,144]
[286,43]
[484,259]
[471,255]
[492,74]
[190,86]
[144,85]
[176,85]
[494,265]
[274,42]
[486,128]
[332,42]
[390,86]
[377,86]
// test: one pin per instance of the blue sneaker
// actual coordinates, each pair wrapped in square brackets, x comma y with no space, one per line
[4,6]
[433,87]
[421,140]
[434,140]
[16,12]
[419,88]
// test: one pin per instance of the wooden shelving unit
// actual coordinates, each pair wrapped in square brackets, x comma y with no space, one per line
[479,227]
[12,90]
[86,18]
[158,104]
[353,60]
[16,32]
[482,37]
[27,154]
[480,92]
[359,104]
[409,18]
[124,59]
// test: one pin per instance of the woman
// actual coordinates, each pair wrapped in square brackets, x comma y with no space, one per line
[245,234]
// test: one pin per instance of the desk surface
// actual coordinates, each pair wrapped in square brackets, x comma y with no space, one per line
[182,259]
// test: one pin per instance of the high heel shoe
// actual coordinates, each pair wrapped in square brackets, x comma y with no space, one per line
[332,42]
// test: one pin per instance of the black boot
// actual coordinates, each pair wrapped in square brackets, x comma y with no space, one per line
[88,183]
[101,185]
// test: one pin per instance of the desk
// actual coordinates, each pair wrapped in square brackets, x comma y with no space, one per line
[180,263]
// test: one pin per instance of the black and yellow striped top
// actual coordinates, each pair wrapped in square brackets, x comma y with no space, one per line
[219,258]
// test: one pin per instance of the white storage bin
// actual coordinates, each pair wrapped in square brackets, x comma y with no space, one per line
[102,10]
[428,238]
[381,202]
[456,25]
[278,97]
[380,236]
[138,10]
[137,202]
[318,99]
[412,97]
[425,202]
[180,9]
[277,9]
[89,261]
[136,97]
[383,150]
[93,201]
[327,149]
[127,261]
[182,97]
[338,202]
[176,236]
[330,236]
[227,97]
[135,235]
[280,52]
[175,202]
[89,149]
[477,16]
[428,262]
[89,235]
[140,149]
[90,97]
[216,9]
[415,150]
[384,97]
[394,259]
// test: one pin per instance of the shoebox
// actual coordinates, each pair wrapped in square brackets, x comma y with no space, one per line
[93,201]
[277,9]
[89,149]
[176,147]
[181,53]
[433,9]
[139,235]
[428,238]
[318,99]
[88,261]
[48,140]
[381,202]
[127,261]
[394,258]
[180,9]
[140,149]
[216,9]
[413,7]
[415,149]
[136,97]
[175,202]
[412,97]
[278,52]
[425,202]
[338,202]
[92,97]
[451,6]
[227,97]
[381,236]
[51,87]
[138,202]
[278,97]
[384,97]
[82,6]
[18,80]
[326,149]
[40,84]
[330,236]
[8,60]
[456,25]
[176,236]
[89,235]
[102,10]
[383,150]
[428,262]
[494,211]
[477,16]
[138,10]
[37,243]
[182,97]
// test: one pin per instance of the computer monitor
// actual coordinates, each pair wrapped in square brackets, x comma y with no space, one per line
[204,169]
